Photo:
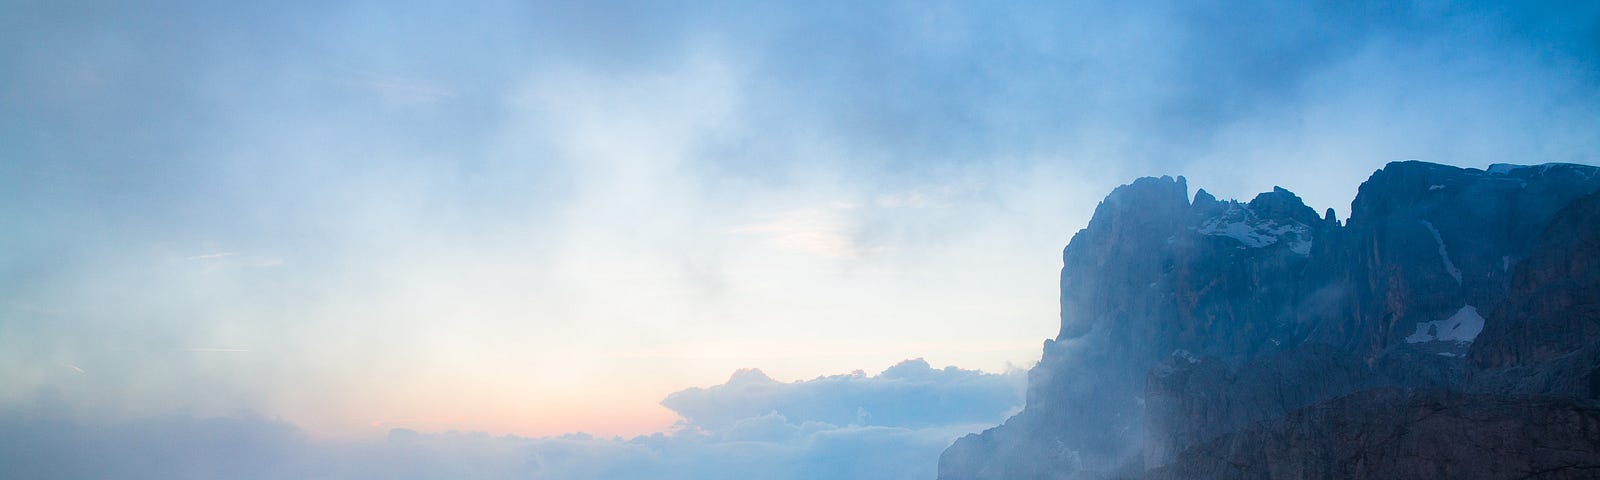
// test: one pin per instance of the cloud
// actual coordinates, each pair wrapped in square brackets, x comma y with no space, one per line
[500,195]
[210,256]
[884,223]
[908,395]
[820,428]
[826,233]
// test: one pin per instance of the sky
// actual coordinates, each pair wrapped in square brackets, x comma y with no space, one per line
[888,425]
[347,219]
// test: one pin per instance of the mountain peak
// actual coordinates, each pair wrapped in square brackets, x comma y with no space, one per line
[1163,189]
[1280,203]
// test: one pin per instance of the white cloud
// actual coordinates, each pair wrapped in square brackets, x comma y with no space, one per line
[910,394]
[825,232]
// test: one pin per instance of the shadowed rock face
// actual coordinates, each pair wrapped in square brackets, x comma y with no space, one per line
[1553,308]
[1545,338]
[1192,400]
[1426,240]
[1184,321]
[1392,433]
[1152,273]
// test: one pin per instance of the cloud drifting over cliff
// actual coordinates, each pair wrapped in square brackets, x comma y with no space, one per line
[750,427]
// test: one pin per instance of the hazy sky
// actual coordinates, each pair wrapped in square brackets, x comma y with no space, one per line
[543,218]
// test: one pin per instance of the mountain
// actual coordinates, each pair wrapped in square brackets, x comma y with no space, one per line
[1189,322]
[1397,433]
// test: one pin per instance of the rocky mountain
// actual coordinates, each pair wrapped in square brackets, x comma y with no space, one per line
[1393,433]
[1185,323]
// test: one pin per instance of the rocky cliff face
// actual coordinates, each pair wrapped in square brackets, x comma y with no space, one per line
[1391,433]
[1191,400]
[1431,246]
[1152,273]
[1545,337]
[1553,307]
[1184,321]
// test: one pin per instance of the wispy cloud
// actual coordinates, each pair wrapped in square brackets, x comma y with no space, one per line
[405,91]
[824,232]
[222,260]
[211,256]
[931,196]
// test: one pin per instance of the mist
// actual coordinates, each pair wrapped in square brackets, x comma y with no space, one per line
[318,224]
[804,429]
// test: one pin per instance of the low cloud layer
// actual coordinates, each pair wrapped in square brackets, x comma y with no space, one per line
[887,426]
[908,395]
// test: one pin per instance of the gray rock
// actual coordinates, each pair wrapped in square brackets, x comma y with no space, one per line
[1553,307]
[1191,400]
[1281,308]
[1397,433]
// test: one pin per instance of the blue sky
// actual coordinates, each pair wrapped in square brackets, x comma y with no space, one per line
[538,218]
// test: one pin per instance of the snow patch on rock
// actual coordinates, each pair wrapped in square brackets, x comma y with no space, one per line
[1240,223]
[1461,327]
[1449,266]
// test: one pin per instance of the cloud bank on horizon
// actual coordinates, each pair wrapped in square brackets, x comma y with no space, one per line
[544,217]
[750,427]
